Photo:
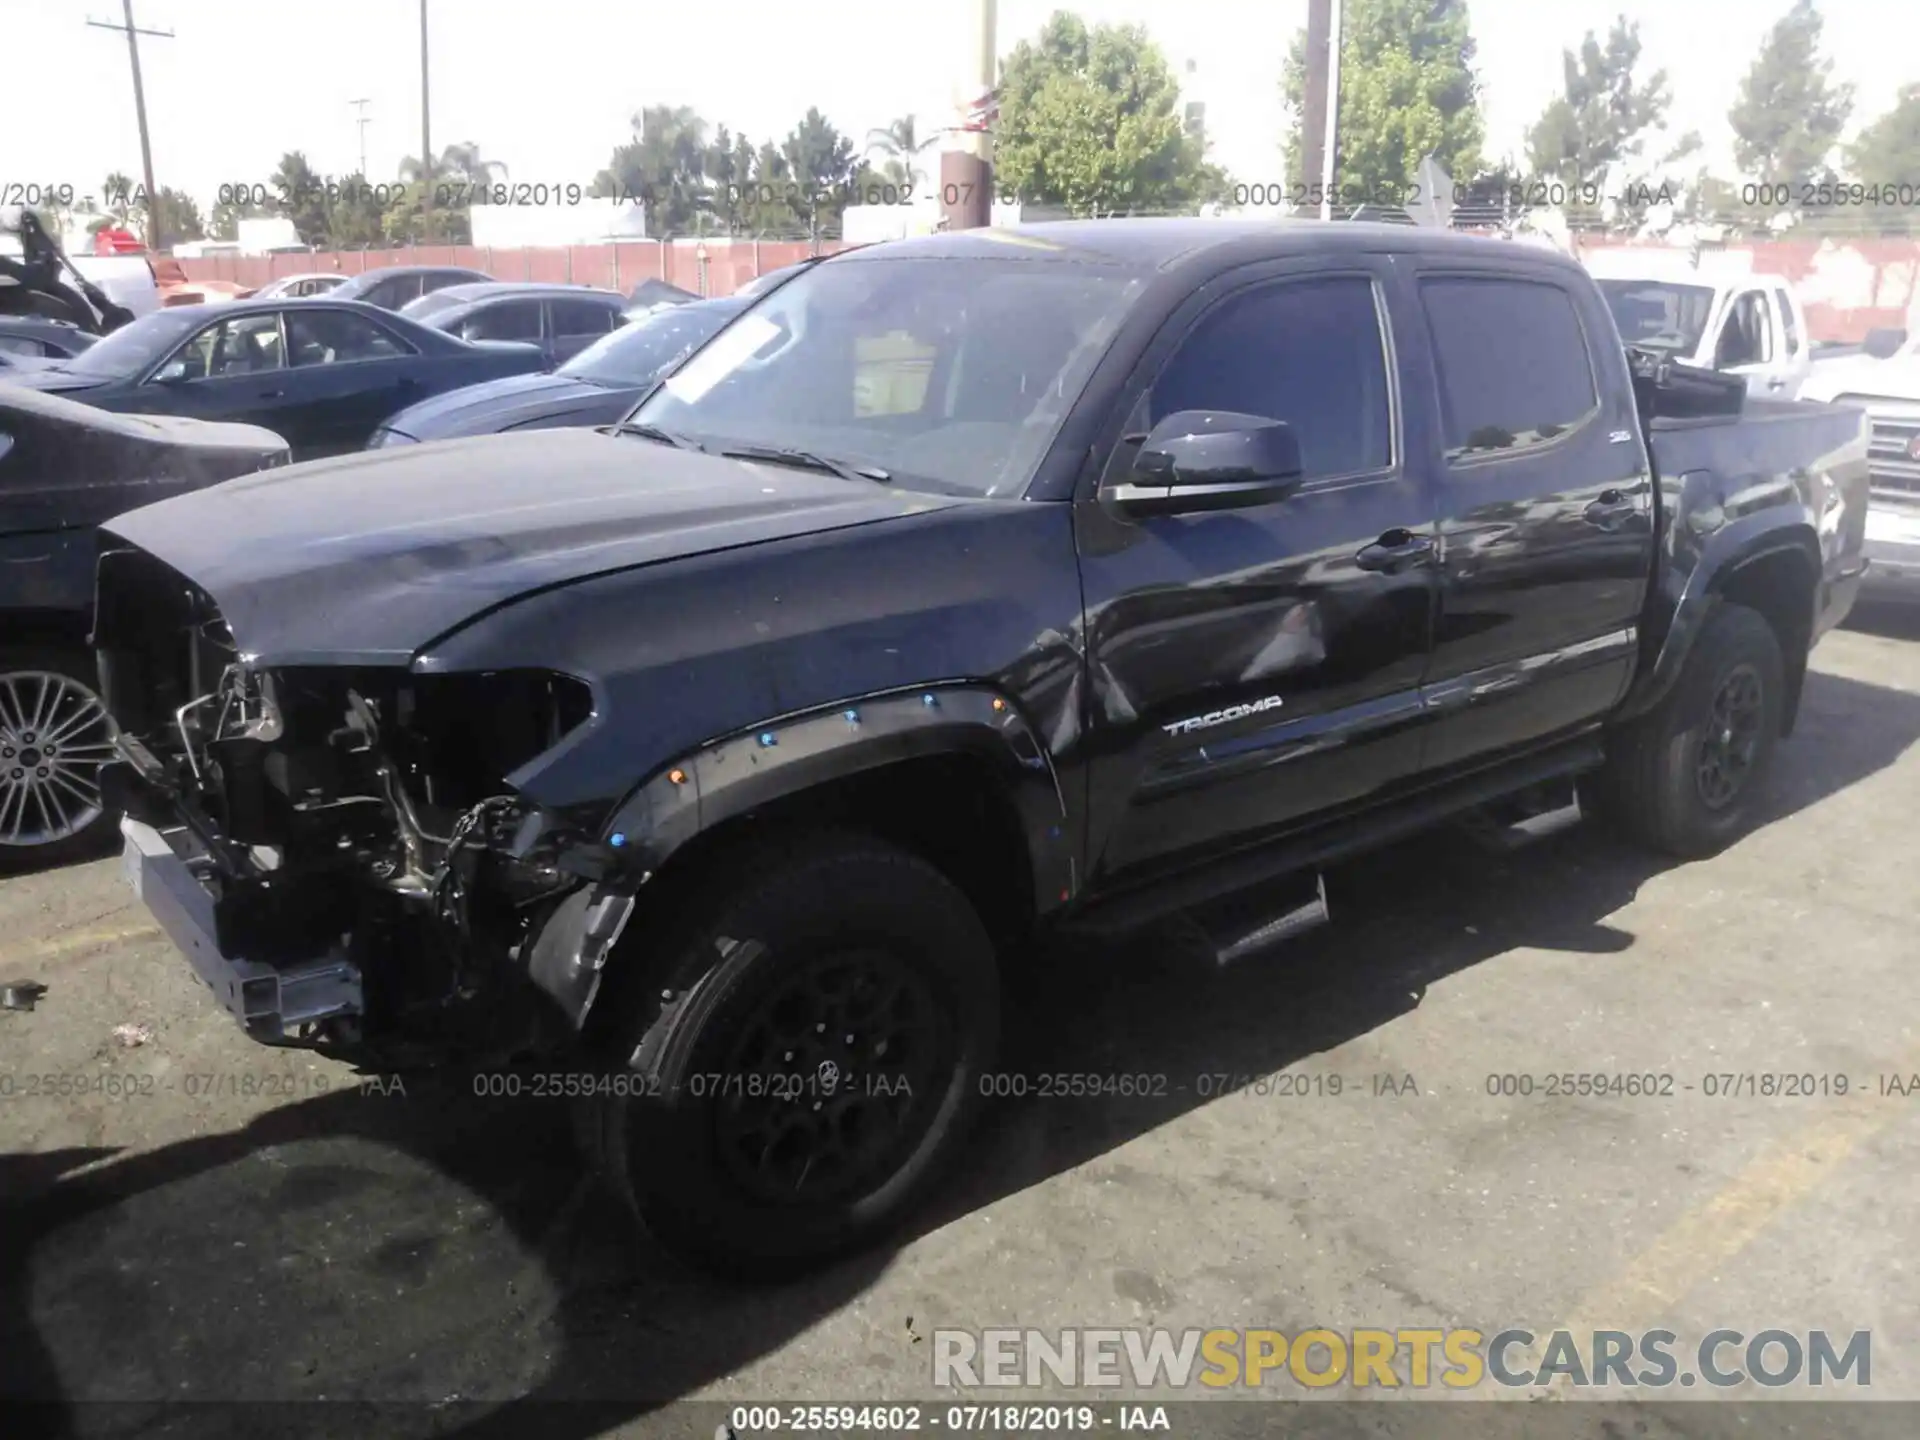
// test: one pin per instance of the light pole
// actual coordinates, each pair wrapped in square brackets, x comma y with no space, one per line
[361,121]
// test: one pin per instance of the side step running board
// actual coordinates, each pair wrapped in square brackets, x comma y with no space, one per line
[1303,913]
[1511,825]
[1341,839]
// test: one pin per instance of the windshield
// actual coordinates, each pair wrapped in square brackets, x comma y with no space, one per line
[954,374]
[1657,315]
[635,353]
[130,349]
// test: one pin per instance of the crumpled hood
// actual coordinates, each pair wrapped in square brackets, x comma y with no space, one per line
[366,558]
[496,405]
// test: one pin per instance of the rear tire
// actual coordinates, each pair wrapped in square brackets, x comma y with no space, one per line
[1687,777]
[54,736]
[834,1006]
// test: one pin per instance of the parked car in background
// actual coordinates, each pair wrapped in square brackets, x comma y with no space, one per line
[652,294]
[318,282]
[597,387]
[1887,387]
[37,339]
[965,588]
[562,320]
[64,468]
[1751,325]
[322,372]
[392,286]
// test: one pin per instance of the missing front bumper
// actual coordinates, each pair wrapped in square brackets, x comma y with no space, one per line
[272,1002]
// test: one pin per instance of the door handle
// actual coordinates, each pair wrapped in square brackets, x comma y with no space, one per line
[270,395]
[1395,551]
[1611,509]
[1778,382]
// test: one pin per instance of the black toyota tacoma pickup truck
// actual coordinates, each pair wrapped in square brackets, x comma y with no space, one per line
[963,588]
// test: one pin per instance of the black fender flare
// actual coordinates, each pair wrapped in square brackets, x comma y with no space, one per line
[782,757]
[1727,551]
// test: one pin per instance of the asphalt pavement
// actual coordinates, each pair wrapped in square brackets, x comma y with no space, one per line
[185,1216]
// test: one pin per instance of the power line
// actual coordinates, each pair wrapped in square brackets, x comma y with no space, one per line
[133,33]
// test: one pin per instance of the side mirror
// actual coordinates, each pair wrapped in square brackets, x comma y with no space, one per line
[1209,460]
[1884,344]
[171,373]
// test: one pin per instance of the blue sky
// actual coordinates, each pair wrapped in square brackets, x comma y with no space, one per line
[548,88]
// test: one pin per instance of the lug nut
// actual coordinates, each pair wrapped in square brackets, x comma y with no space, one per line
[41,772]
[28,737]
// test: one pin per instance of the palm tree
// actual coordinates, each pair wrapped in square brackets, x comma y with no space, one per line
[462,163]
[901,144]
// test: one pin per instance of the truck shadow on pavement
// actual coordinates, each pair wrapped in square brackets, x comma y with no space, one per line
[434,1256]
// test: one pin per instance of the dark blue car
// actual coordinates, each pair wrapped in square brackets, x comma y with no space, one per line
[562,320]
[597,387]
[322,373]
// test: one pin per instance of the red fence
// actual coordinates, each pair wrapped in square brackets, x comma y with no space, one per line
[727,264]
[1848,285]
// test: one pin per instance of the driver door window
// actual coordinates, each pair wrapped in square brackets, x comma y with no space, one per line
[244,345]
[1746,335]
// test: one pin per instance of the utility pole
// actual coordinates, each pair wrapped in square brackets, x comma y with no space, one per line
[426,138]
[1330,143]
[1313,107]
[966,160]
[133,33]
[361,105]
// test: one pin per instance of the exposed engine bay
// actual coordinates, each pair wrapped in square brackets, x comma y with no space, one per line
[341,814]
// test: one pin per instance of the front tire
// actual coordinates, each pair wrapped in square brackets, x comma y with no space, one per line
[54,737]
[1687,777]
[834,1007]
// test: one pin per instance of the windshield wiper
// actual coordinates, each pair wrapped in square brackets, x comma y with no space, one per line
[654,432]
[783,455]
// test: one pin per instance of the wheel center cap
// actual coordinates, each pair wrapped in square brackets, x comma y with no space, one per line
[29,756]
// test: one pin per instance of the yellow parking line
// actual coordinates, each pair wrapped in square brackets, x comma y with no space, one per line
[41,951]
[1694,1248]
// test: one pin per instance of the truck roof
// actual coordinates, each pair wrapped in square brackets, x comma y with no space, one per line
[1161,243]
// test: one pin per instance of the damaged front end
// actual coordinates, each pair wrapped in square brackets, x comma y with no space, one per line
[340,850]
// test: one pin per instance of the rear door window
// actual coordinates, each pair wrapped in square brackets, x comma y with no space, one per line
[509,320]
[1514,368]
[575,318]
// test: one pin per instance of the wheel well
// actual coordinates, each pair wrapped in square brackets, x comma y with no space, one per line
[1780,587]
[951,810]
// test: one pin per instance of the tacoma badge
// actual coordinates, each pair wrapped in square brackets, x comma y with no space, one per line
[1221,717]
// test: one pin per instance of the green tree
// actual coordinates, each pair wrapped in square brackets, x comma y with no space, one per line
[1407,90]
[820,168]
[1600,119]
[1790,113]
[1090,119]
[179,216]
[663,167]
[120,200]
[1887,152]
[355,215]
[297,192]
[224,221]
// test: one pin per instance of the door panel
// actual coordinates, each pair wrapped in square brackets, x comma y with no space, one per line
[348,375]
[1546,513]
[1247,667]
